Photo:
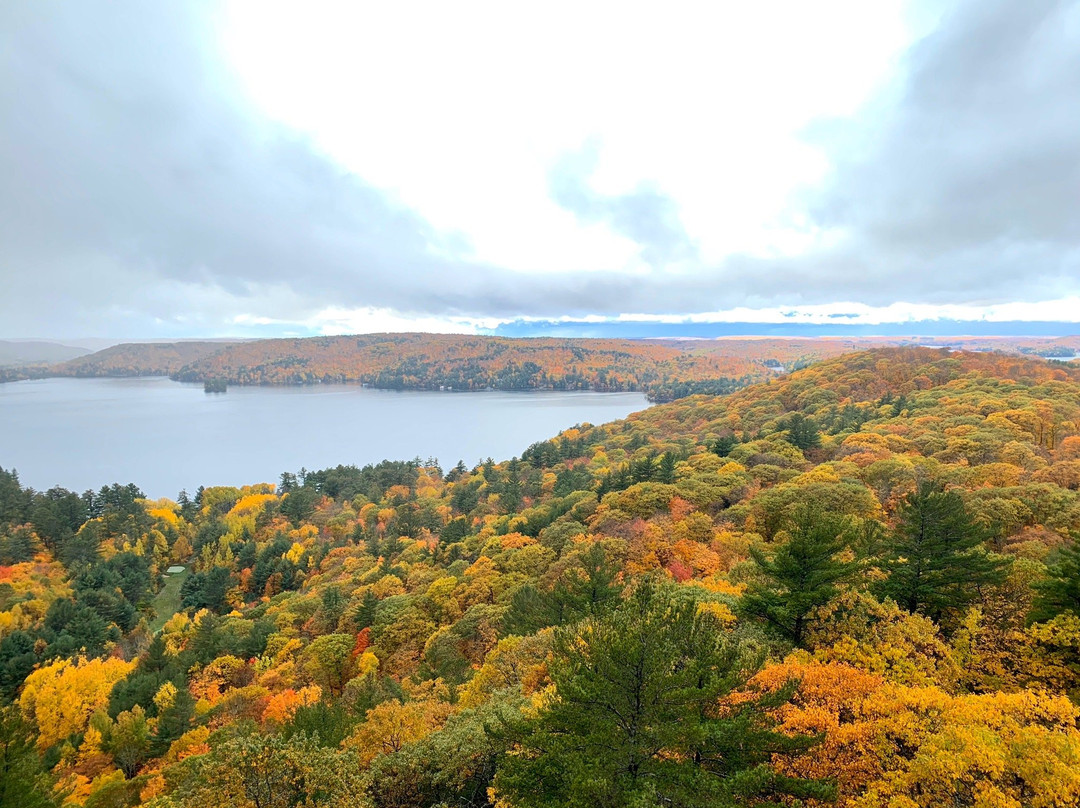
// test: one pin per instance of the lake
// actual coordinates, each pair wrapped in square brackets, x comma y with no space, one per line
[165,436]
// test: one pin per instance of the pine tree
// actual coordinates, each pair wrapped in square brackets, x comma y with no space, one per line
[364,615]
[1060,591]
[934,561]
[666,472]
[23,780]
[802,432]
[635,723]
[723,445]
[802,574]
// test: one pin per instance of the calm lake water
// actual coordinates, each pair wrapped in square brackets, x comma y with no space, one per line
[165,436]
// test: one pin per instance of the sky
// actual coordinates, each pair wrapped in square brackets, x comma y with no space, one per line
[251,168]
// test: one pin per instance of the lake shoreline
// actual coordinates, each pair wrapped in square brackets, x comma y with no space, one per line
[166,436]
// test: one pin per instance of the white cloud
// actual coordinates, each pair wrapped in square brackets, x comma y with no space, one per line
[461,109]
[176,170]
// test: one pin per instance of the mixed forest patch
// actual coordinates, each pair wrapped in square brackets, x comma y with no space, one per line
[853,585]
[663,369]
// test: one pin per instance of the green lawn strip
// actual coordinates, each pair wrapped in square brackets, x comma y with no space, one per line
[167,602]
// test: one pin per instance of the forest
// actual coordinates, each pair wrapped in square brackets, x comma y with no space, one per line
[856,584]
[664,370]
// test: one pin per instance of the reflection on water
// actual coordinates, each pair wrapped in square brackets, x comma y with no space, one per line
[165,436]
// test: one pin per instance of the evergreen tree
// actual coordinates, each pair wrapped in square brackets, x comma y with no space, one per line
[510,495]
[933,561]
[365,612]
[802,574]
[174,721]
[666,472]
[1060,591]
[723,445]
[457,472]
[23,780]
[18,546]
[15,500]
[188,510]
[635,720]
[802,432]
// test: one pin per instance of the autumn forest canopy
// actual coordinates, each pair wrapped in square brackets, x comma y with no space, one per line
[856,584]
[662,369]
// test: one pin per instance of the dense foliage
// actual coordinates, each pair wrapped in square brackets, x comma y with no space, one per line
[461,362]
[139,359]
[854,585]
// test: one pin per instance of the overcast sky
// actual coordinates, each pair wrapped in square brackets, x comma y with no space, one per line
[251,168]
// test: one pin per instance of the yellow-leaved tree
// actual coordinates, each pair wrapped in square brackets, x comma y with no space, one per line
[61,697]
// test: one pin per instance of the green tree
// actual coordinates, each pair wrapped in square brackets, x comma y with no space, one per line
[173,722]
[329,661]
[1060,590]
[18,546]
[364,615]
[453,766]
[299,504]
[723,445]
[23,781]
[802,432]
[666,472]
[588,587]
[934,561]
[250,770]
[802,574]
[635,720]
[129,740]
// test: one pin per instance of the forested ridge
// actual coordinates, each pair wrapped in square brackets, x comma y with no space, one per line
[857,585]
[465,362]
[138,359]
[664,370]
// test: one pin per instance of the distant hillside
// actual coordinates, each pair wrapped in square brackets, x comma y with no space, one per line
[138,359]
[664,370]
[36,352]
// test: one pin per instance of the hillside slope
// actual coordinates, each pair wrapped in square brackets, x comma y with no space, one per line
[138,359]
[878,553]
[28,352]
[463,362]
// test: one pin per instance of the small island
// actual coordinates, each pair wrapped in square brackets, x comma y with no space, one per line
[215,386]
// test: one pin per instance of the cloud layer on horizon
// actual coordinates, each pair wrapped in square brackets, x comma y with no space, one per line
[143,195]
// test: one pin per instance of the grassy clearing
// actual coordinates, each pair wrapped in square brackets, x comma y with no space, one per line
[167,602]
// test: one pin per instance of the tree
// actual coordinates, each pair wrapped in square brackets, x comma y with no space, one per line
[1060,591]
[250,770]
[173,721]
[666,472]
[453,765]
[329,661]
[802,432]
[723,445]
[129,740]
[17,659]
[61,697]
[18,546]
[23,781]
[206,590]
[588,587]
[15,501]
[933,561]
[299,504]
[635,717]
[802,574]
